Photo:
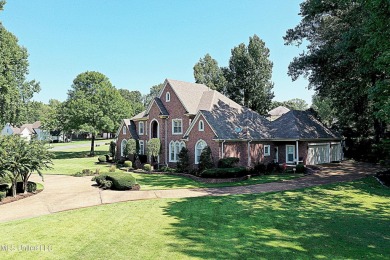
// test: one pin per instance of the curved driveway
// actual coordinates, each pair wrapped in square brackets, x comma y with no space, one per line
[66,192]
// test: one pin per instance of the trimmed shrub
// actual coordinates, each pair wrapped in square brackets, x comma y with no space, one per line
[128,164]
[102,159]
[147,167]
[228,162]
[259,168]
[167,169]
[112,168]
[183,164]
[112,148]
[206,159]
[31,187]
[273,167]
[224,172]
[116,181]
[300,168]
[4,187]
[3,194]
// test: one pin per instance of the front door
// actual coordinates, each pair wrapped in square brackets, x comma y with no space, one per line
[290,153]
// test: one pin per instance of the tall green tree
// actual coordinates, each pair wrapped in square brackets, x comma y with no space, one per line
[207,72]
[57,118]
[347,59]
[154,92]
[135,100]
[249,75]
[292,104]
[15,90]
[94,105]
[325,109]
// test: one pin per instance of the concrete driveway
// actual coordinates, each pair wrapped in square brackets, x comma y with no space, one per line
[66,192]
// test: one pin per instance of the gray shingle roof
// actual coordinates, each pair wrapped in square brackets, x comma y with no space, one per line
[161,106]
[297,124]
[233,123]
[132,128]
[139,115]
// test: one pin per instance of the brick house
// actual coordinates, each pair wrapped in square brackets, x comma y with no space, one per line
[194,116]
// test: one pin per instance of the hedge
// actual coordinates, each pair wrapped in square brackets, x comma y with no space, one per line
[228,162]
[116,181]
[224,172]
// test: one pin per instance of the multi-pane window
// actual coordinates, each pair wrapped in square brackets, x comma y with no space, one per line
[200,145]
[267,151]
[177,126]
[174,150]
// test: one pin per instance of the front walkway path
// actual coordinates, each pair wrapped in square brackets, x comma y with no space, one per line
[66,192]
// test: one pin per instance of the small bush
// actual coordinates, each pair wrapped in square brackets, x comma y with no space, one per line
[102,159]
[4,187]
[273,167]
[224,172]
[183,164]
[259,168]
[167,169]
[112,168]
[3,194]
[128,164]
[105,184]
[147,167]
[31,187]
[300,168]
[206,159]
[228,162]
[99,179]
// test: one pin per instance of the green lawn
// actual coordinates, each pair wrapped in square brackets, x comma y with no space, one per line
[162,182]
[70,161]
[339,221]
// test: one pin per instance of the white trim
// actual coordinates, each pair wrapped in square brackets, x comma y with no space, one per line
[123,146]
[139,127]
[294,159]
[194,122]
[196,155]
[167,96]
[151,128]
[269,150]
[173,126]
[201,125]
[141,147]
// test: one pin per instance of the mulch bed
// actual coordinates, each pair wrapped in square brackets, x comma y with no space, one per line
[19,196]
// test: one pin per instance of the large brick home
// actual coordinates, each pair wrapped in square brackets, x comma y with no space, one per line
[194,116]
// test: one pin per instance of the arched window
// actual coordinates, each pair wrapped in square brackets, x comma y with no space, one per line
[201,125]
[168,97]
[200,145]
[174,150]
[124,130]
[123,146]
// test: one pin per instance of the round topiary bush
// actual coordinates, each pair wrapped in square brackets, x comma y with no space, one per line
[102,159]
[128,164]
[147,167]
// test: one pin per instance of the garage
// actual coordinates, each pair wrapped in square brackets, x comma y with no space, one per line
[335,152]
[318,153]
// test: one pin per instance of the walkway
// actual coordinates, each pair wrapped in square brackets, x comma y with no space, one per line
[66,192]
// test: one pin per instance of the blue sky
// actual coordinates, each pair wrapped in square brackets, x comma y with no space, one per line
[137,44]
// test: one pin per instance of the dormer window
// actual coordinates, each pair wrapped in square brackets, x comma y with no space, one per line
[201,125]
[168,97]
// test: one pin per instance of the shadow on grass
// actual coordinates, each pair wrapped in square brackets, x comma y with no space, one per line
[335,221]
[73,155]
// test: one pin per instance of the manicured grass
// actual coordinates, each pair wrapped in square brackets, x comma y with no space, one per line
[80,142]
[339,221]
[70,161]
[162,182]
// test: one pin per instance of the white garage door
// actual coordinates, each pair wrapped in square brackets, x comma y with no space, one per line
[317,154]
[335,152]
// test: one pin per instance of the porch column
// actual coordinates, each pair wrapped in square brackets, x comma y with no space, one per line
[297,158]
[249,153]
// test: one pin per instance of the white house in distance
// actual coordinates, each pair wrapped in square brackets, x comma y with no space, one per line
[26,131]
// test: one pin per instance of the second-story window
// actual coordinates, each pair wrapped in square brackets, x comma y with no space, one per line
[168,97]
[141,128]
[177,126]
[201,125]
[124,130]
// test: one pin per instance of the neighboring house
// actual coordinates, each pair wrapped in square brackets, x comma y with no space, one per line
[277,112]
[26,131]
[193,116]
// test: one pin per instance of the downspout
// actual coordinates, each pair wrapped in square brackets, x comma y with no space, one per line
[223,150]
[297,159]
[249,153]
[166,143]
